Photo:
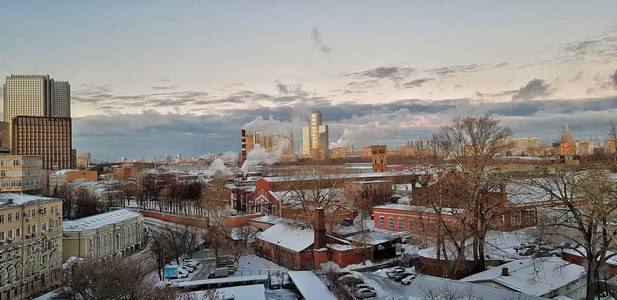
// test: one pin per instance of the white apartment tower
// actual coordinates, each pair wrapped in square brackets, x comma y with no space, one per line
[315,137]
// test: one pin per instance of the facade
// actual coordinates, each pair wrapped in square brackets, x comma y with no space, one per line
[30,243]
[60,179]
[379,158]
[83,160]
[5,135]
[49,137]
[526,146]
[279,145]
[318,139]
[610,146]
[35,95]
[114,233]
[21,174]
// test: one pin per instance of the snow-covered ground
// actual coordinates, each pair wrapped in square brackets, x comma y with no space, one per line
[252,264]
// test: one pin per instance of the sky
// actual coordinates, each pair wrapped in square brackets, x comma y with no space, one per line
[150,78]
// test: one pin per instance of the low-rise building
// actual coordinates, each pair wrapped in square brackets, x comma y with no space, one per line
[547,277]
[59,179]
[21,174]
[30,244]
[114,233]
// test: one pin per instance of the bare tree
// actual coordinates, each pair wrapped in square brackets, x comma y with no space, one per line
[610,136]
[471,145]
[583,216]
[161,249]
[112,279]
[312,187]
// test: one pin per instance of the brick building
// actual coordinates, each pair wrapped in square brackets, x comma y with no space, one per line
[49,137]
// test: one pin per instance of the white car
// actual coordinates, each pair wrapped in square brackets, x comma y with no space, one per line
[364,293]
[407,280]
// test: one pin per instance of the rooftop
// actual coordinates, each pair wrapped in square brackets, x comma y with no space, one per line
[22,199]
[100,220]
[397,206]
[310,286]
[288,236]
[537,276]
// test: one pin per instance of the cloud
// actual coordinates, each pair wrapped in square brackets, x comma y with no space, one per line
[395,73]
[166,87]
[533,89]
[417,83]
[614,78]
[319,42]
[582,47]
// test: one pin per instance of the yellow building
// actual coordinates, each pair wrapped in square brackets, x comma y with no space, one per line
[21,174]
[30,244]
[115,233]
[60,179]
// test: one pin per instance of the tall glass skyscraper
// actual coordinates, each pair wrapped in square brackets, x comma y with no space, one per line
[315,137]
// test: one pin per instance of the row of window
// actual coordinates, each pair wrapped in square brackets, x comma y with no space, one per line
[28,213]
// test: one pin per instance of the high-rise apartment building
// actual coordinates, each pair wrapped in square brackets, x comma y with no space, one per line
[35,95]
[315,137]
[30,243]
[21,174]
[60,104]
[48,137]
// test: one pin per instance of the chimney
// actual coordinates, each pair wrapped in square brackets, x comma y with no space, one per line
[319,228]
[504,271]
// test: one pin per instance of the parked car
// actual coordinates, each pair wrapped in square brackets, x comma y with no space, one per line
[401,276]
[395,272]
[219,273]
[182,273]
[350,280]
[363,286]
[407,280]
[364,293]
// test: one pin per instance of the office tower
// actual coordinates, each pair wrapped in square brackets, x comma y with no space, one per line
[35,95]
[315,137]
[31,243]
[60,104]
[48,137]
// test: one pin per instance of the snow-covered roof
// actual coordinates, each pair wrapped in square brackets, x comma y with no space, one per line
[374,237]
[63,172]
[310,286]
[397,206]
[498,245]
[429,287]
[269,219]
[100,220]
[243,292]
[224,280]
[288,236]
[581,250]
[538,276]
[22,199]
[362,175]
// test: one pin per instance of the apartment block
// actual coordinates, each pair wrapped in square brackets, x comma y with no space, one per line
[21,174]
[30,245]
[49,137]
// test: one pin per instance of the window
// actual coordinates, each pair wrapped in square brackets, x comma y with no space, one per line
[17,232]
[410,224]
[17,216]
[400,223]
[43,226]
[10,234]
[391,223]
[382,221]
[2,236]
[9,218]
[1,218]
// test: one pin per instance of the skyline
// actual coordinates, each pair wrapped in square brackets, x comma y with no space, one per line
[190,74]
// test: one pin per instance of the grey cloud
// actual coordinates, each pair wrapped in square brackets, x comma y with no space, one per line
[319,42]
[165,87]
[581,47]
[614,78]
[533,89]
[110,136]
[451,70]
[383,72]
[417,82]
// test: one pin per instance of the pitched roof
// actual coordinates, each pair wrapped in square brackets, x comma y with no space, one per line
[537,276]
[100,220]
[288,236]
